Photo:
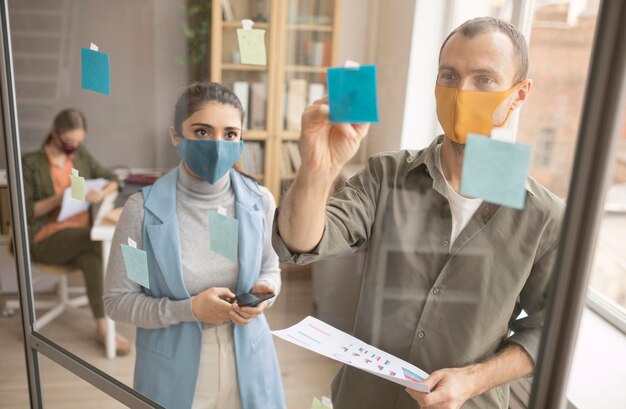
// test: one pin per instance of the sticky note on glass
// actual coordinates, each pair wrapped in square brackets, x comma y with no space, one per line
[352,94]
[78,186]
[323,404]
[95,70]
[251,44]
[136,262]
[223,235]
[495,171]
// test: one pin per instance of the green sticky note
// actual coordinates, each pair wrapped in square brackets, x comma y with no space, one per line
[252,46]
[317,404]
[223,235]
[136,262]
[78,187]
[495,171]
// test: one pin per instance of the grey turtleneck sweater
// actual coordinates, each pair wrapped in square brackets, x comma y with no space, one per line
[124,299]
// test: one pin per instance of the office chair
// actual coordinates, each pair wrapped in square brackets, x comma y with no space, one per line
[55,307]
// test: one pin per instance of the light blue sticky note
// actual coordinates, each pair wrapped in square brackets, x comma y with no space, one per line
[252,46]
[136,261]
[223,235]
[495,171]
[352,94]
[95,71]
[78,187]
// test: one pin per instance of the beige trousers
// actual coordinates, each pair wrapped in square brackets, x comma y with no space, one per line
[217,386]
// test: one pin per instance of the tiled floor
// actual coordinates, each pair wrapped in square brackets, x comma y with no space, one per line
[305,374]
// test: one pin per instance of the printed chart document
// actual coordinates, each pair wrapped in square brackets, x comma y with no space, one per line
[319,337]
[71,207]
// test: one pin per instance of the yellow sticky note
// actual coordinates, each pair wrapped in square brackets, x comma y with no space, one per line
[78,186]
[252,46]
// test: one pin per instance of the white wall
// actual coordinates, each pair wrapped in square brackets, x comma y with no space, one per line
[143,39]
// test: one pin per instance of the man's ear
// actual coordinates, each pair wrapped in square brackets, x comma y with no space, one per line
[522,93]
[173,138]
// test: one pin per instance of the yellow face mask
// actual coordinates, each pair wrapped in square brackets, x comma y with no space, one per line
[461,111]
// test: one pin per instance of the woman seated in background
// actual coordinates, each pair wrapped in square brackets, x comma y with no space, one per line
[67,242]
[194,347]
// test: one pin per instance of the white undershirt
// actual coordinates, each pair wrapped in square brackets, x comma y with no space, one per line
[462,208]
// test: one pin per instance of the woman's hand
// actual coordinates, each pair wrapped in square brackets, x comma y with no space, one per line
[243,315]
[95,196]
[208,307]
[326,147]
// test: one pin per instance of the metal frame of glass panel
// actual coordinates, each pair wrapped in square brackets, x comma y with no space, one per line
[602,112]
[34,343]
[597,139]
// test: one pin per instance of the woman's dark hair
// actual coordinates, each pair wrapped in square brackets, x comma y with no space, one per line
[67,120]
[196,95]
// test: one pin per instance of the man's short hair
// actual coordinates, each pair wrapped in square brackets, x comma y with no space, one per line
[481,25]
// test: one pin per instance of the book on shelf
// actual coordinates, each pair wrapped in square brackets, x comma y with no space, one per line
[316,91]
[258,103]
[227,11]
[285,163]
[242,90]
[252,160]
[296,103]
[294,155]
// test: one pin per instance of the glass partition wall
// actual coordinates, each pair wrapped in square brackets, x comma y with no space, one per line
[386,289]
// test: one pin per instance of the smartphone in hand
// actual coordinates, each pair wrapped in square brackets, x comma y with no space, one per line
[252,299]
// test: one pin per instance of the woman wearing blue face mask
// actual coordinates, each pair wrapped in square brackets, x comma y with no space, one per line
[194,348]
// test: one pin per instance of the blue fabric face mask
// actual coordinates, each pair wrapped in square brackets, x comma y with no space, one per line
[209,159]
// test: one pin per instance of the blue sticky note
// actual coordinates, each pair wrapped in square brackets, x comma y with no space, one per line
[223,235]
[136,262]
[95,71]
[352,94]
[495,171]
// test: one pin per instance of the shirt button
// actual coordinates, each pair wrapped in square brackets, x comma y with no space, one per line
[436,290]
[446,243]
[421,334]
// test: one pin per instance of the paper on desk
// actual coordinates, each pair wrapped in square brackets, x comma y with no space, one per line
[319,337]
[71,207]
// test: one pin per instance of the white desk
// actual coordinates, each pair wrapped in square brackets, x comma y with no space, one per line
[102,230]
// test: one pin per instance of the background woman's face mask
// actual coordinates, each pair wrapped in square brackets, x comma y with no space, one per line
[209,159]
[461,111]
[66,147]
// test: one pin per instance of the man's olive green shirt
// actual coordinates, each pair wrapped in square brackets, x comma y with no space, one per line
[421,300]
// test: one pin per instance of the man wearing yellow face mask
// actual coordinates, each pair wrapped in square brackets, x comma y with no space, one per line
[446,276]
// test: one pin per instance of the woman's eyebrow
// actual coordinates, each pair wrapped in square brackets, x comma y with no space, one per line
[202,124]
[232,128]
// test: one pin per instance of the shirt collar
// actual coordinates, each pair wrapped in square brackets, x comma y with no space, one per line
[426,159]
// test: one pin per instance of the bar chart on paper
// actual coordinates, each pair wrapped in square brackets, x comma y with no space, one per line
[326,340]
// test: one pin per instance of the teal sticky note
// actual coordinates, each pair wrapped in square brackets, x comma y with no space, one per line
[252,46]
[78,187]
[352,94]
[223,235]
[136,262]
[495,171]
[95,71]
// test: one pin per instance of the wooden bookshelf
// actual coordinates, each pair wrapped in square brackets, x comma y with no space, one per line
[301,41]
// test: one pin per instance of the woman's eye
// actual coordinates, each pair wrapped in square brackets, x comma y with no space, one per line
[231,135]
[201,132]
